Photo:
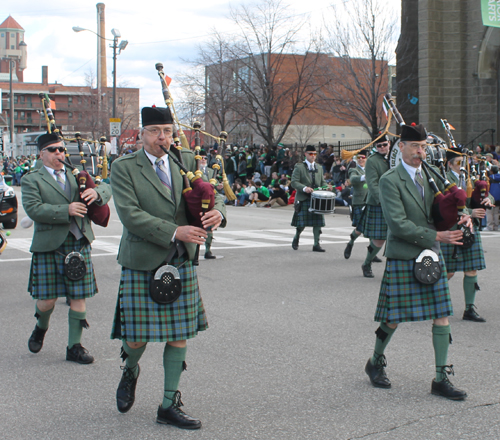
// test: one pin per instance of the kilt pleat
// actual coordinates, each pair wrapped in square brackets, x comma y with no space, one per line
[47,278]
[139,319]
[403,299]
[357,214]
[306,218]
[468,259]
[373,224]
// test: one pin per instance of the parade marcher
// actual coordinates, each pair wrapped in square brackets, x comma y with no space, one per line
[468,261]
[208,173]
[149,201]
[373,225]
[51,199]
[306,177]
[406,199]
[492,214]
[358,181]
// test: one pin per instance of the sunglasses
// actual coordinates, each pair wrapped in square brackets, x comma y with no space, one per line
[54,149]
[312,154]
[361,156]
[385,144]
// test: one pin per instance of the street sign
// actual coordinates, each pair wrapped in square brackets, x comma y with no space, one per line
[115,127]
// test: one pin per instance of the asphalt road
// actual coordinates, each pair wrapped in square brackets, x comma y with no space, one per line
[290,333]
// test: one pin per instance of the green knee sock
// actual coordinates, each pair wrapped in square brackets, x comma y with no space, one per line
[441,342]
[371,253]
[75,327]
[173,364]
[354,236]
[208,242]
[470,290]
[298,232]
[316,233]
[384,334]
[133,356]
[43,318]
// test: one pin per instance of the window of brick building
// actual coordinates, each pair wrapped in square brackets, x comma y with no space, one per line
[70,115]
[70,100]
[15,115]
[23,115]
[120,100]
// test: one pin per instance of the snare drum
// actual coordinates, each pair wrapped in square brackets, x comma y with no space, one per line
[322,202]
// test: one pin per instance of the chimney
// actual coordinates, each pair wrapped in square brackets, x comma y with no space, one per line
[45,75]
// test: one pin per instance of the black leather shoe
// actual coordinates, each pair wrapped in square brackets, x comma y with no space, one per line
[376,260]
[318,248]
[376,372]
[125,393]
[445,388]
[209,256]
[347,251]
[470,314]
[295,244]
[173,415]
[367,271]
[78,354]
[35,342]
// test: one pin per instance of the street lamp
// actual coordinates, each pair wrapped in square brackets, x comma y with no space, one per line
[114,46]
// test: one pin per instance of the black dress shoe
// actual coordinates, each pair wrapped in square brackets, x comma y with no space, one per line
[376,260]
[470,314]
[35,342]
[78,354]
[318,248]
[367,270]
[347,251]
[295,244]
[125,393]
[209,256]
[446,389]
[376,373]
[173,415]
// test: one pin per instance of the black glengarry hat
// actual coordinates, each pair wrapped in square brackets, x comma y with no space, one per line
[156,116]
[310,148]
[46,140]
[413,133]
[451,154]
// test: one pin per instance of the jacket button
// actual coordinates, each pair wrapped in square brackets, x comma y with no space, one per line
[416,242]
[422,237]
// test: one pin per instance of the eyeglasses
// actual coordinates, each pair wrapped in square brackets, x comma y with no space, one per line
[381,145]
[361,156]
[155,131]
[54,149]
[312,154]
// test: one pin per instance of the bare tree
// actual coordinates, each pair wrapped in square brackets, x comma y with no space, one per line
[303,129]
[362,36]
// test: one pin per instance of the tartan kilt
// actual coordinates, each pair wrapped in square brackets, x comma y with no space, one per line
[403,299]
[357,214]
[48,280]
[306,218]
[468,259]
[373,224]
[139,319]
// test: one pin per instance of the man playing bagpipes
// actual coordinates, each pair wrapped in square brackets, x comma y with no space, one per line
[373,224]
[61,265]
[470,260]
[306,177]
[415,285]
[158,297]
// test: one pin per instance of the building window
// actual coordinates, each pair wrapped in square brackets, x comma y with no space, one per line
[120,100]
[70,100]
[22,115]
[12,35]
[21,99]
[70,115]
[80,117]
[79,100]
[342,135]
[2,35]
[16,99]
[15,115]
[12,46]
[334,135]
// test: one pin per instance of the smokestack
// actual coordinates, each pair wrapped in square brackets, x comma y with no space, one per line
[102,80]
[45,75]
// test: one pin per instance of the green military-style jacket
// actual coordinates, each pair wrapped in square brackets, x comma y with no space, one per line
[149,215]
[411,227]
[47,205]
[359,187]
[376,166]
[301,178]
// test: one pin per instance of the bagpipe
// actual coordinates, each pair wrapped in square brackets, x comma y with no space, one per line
[97,214]
[448,206]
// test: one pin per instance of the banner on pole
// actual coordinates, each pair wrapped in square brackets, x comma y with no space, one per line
[490,11]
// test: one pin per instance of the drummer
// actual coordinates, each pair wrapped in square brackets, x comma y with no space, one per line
[306,177]
[360,190]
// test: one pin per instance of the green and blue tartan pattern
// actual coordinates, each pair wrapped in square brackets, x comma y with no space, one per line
[403,299]
[306,218]
[139,319]
[373,224]
[357,215]
[468,259]
[48,280]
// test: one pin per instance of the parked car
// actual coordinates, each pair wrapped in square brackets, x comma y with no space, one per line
[8,205]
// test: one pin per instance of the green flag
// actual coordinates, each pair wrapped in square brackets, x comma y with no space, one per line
[490,11]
